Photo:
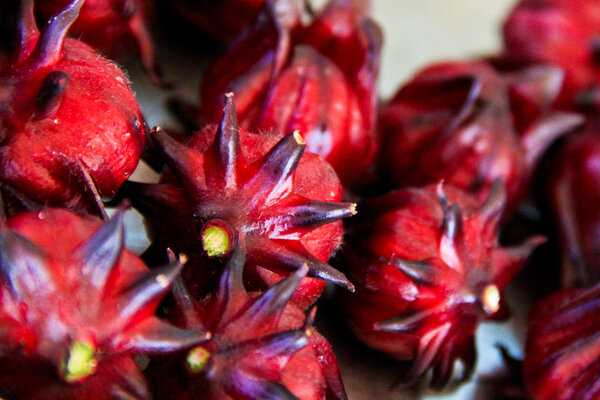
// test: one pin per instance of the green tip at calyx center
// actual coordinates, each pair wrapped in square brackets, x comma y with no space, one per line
[216,239]
[79,362]
[197,359]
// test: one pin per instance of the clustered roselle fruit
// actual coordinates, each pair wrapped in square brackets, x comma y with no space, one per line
[427,269]
[259,217]
[560,32]
[318,79]
[260,348]
[453,121]
[75,307]
[71,129]
[228,182]
[112,27]
[563,346]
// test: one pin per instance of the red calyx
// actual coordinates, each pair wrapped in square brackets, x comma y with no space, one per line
[454,121]
[71,130]
[559,32]
[75,306]
[563,346]
[574,186]
[113,27]
[260,348]
[427,269]
[282,200]
[289,79]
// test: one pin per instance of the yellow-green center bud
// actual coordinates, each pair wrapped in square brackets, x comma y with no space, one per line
[197,359]
[79,362]
[491,299]
[216,239]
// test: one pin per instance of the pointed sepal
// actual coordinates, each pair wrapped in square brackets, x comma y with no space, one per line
[273,178]
[187,164]
[48,50]
[99,254]
[291,255]
[225,149]
[141,298]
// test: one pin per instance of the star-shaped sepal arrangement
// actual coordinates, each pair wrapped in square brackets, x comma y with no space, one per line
[228,182]
[76,307]
[262,346]
[428,269]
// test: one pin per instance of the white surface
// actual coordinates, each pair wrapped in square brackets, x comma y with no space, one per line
[418,32]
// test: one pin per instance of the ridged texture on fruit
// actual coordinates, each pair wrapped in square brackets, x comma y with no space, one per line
[318,79]
[75,307]
[454,121]
[261,347]
[574,186]
[282,200]
[563,346]
[113,27]
[428,268]
[559,32]
[70,126]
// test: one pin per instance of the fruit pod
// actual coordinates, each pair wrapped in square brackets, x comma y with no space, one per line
[428,269]
[574,187]
[453,121]
[76,306]
[71,130]
[558,32]
[228,182]
[563,346]
[318,79]
[113,27]
[261,347]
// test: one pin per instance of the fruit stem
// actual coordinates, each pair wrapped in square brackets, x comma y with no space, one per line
[197,359]
[216,238]
[79,362]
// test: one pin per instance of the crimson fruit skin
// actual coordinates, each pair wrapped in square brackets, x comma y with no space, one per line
[428,269]
[454,121]
[284,201]
[67,115]
[562,348]
[113,27]
[318,79]
[574,196]
[261,346]
[559,32]
[75,307]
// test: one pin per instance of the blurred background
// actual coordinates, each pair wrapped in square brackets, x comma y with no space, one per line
[418,32]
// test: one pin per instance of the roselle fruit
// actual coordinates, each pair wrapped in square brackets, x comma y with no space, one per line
[318,79]
[113,27]
[562,350]
[574,188]
[75,307]
[454,121]
[261,346]
[559,32]
[428,269]
[228,182]
[71,130]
